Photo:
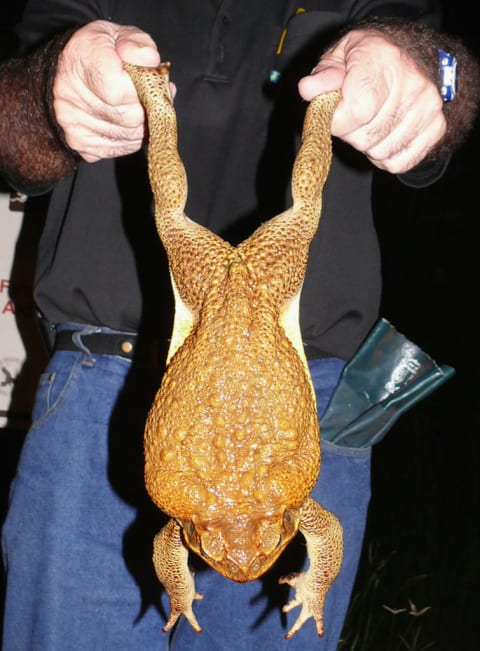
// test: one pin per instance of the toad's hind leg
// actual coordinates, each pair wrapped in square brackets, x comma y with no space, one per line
[170,559]
[324,536]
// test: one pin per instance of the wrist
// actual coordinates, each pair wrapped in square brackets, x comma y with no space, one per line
[448,64]
[55,49]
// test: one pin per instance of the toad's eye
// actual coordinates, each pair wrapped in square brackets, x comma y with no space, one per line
[190,533]
[290,522]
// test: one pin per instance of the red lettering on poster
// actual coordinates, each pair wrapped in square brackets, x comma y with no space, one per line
[8,308]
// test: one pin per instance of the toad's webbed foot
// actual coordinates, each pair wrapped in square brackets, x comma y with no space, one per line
[170,559]
[324,536]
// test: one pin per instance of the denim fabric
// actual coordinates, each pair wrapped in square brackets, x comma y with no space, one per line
[78,536]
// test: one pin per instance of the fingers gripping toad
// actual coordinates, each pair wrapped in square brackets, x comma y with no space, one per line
[232,445]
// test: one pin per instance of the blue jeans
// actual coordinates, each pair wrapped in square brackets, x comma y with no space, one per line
[78,536]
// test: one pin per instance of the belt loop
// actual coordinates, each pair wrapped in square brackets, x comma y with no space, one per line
[77,340]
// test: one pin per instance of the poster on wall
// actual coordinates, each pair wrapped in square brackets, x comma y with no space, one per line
[21,353]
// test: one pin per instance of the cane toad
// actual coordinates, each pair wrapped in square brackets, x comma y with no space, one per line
[232,446]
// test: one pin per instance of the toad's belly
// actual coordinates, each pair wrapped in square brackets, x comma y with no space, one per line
[234,421]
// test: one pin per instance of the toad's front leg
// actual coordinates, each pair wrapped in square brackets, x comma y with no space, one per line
[324,536]
[170,559]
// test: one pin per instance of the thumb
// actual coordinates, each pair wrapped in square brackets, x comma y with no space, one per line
[324,78]
[136,47]
[327,75]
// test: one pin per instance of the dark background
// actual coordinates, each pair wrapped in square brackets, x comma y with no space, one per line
[419,578]
[418,586]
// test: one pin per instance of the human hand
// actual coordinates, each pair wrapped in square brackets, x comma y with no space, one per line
[95,101]
[390,110]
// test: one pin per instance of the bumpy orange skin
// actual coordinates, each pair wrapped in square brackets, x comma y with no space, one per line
[233,428]
[234,422]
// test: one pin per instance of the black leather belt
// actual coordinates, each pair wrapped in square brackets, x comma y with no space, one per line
[128,346]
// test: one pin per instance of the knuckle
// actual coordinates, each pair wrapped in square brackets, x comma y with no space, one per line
[363,109]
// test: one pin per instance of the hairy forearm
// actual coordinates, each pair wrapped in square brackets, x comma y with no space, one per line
[33,155]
